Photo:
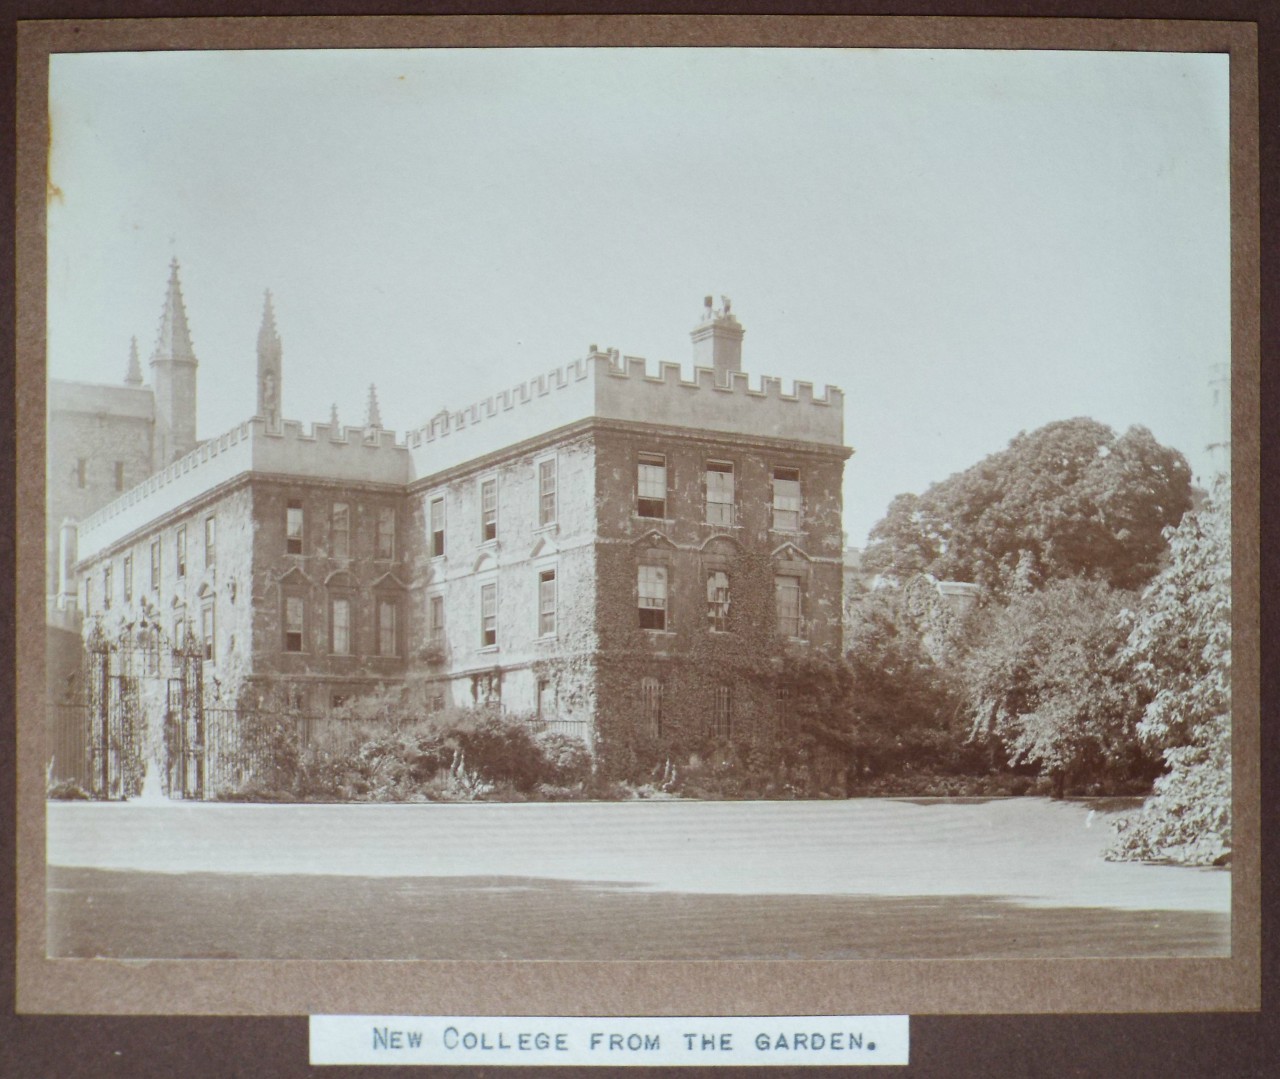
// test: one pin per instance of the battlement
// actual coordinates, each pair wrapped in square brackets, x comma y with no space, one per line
[316,451]
[608,385]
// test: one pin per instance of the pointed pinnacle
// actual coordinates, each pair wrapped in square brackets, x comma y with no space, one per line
[174,341]
[133,376]
[373,415]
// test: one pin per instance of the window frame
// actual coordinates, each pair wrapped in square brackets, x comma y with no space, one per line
[437,534]
[107,586]
[344,599]
[722,716]
[435,629]
[385,601]
[548,492]
[547,577]
[655,576]
[286,625]
[340,535]
[155,564]
[210,541]
[380,533]
[489,510]
[180,549]
[119,475]
[127,578]
[718,600]
[789,621]
[728,507]
[777,503]
[295,541]
[208,631]
[651,700]
[645,503]
[488,614]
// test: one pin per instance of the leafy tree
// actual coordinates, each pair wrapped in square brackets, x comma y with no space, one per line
[1048,681]
[1070,499]
[1180,649]
[903,707]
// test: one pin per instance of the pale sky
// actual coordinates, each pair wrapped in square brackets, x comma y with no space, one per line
[969,244]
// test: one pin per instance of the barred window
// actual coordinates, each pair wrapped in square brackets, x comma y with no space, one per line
[386,532]
[340,626]
[724,711]
[651,585]
[720,508]
[787,594]
[718,600]
[547,491]
[546,603]
[782,712]
[488,615]
[488,510]
[651,702]
[293,526]
[651,485]
[340,531]
[437,527]
[786,499]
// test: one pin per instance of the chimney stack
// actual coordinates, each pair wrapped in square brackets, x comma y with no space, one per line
[717,340]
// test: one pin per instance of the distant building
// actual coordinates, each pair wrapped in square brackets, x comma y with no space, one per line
[582,546]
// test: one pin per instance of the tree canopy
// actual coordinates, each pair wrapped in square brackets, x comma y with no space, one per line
[1180,650]
[1070,499]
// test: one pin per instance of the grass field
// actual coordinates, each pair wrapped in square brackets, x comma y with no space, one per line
[873,878]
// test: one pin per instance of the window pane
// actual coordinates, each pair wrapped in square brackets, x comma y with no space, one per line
[651,584]
[387,532]
[787,592]
[489,614]
[547,602]
[718,599]
[488,510]
[546,492]
[436,619]
[387,627]
[342,627]
[340,531]
[293,528]
[437,527]
[786,499]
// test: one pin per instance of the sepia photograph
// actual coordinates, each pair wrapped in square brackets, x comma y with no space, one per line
[626,504]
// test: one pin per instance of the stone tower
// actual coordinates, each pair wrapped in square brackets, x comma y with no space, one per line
[717,341]
[270,373]
[173,376]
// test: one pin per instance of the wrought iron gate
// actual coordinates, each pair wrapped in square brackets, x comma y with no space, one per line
[142,703]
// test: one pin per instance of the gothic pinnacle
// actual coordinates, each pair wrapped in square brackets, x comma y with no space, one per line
[133,377]
[174,340]
[373,415]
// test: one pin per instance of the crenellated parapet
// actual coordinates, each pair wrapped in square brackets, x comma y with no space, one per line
[318,451]
[607,385]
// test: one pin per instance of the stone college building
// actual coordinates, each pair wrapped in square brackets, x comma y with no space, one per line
[606,546]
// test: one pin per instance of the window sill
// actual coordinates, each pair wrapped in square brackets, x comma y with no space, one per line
[652,521]
[659,632]
[553,527]
[488,649]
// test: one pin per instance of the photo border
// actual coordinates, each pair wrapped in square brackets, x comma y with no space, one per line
[290,987]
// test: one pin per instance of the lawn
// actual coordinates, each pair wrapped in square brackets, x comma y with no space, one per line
[869,878]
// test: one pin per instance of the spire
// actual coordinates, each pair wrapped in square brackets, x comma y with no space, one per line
[372,414]
[174,341]
[270,362]
[333,415]
[133,377]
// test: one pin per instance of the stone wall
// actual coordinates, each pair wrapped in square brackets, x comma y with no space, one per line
[523,549]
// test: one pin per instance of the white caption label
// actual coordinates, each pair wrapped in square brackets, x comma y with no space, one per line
[577,1040]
